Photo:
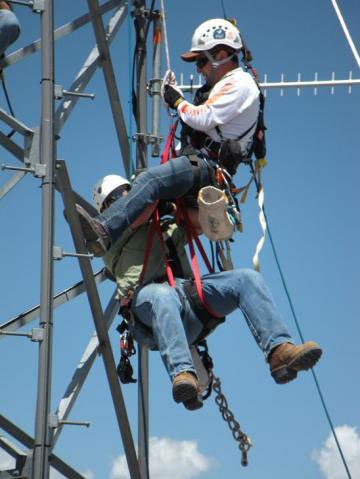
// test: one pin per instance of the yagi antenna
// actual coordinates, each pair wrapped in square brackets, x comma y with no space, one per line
[282,84]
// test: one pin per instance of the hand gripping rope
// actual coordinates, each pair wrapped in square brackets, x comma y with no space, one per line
[169,76]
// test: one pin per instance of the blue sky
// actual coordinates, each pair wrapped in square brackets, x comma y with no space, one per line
[311,197]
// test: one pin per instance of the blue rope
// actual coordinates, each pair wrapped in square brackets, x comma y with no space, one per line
[223,8]
[302,340]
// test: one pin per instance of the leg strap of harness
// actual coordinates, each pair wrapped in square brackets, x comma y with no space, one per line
[209,322]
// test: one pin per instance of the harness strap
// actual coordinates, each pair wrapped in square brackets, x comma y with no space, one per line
[156,228]
[169,145]
[219,132]
[190,235]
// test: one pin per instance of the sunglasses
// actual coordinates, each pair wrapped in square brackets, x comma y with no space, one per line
[201,62]
[113,196]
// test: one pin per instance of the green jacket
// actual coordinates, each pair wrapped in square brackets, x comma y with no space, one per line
[125,258]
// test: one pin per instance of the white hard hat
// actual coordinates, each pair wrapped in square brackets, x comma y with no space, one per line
[210,34]
[105,186]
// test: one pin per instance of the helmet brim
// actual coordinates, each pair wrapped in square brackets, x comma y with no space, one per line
[191,56]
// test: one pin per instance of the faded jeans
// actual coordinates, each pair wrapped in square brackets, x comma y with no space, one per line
[164,182]
[175,326]
[9,29]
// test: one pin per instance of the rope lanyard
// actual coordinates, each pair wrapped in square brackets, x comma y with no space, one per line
[166,43]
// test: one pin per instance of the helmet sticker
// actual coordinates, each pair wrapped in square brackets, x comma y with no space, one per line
[219,34]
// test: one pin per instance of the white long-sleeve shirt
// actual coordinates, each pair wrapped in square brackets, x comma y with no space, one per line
[233,106]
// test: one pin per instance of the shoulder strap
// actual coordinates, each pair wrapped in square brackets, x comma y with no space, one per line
[219,132]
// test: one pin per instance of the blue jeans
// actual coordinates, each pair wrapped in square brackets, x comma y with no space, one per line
[175,326]
[164,182]
[9,29]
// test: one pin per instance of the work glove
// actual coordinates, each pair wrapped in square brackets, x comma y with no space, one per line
[173,96]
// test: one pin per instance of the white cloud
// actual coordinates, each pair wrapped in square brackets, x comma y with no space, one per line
[88,474]
[165,453]
[6,461]
[329,459]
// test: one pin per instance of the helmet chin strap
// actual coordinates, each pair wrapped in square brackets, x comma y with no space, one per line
[215,65]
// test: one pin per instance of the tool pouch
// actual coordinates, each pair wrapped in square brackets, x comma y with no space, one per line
[213,216]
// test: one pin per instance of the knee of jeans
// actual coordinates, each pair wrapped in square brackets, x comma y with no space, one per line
[10,29]
[147,181]
[155,293]
[9,22]
[248,276]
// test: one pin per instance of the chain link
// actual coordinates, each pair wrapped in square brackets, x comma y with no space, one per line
[239,436]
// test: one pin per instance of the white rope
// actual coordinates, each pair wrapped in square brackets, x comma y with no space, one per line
[262,220]
[166,43]
[346,31]
[169,76]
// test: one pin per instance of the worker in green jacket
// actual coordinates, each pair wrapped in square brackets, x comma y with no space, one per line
[171,319]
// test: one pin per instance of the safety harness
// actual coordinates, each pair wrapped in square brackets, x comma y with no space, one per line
[191,287]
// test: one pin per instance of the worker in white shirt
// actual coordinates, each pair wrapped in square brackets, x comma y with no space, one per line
[228,118]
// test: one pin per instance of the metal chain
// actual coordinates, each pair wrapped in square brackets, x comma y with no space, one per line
[239,436]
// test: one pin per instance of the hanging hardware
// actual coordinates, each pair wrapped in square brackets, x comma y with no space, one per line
[147,139]
[244,440]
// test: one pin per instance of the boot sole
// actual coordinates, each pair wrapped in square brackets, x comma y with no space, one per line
[193,404]
[85,221]
[184,391]
[304,361]
[92,239]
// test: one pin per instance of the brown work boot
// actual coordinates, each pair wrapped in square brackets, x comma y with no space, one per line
[287,359]
[96,239]
[184,387]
